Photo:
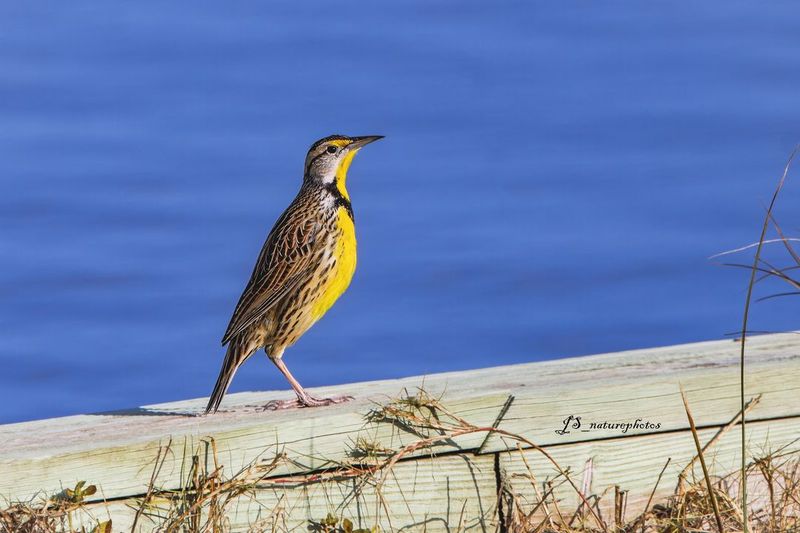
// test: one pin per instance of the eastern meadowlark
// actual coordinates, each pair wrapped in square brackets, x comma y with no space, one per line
[306,263]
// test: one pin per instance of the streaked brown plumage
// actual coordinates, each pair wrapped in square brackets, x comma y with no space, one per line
[306,262]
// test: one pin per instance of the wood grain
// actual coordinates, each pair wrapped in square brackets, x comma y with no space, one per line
[116,450]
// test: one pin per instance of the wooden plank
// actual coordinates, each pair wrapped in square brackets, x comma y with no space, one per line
[312,440]
[115,450]
[439,494]
[634,463]
[645,385]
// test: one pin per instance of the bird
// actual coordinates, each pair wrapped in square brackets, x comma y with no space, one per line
[305,265]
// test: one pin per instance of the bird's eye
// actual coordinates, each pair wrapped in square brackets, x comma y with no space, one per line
[331,149]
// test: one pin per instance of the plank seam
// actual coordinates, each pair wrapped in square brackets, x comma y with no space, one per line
[637,435]
[498,479]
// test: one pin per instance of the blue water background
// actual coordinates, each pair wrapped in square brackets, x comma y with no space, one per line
[553,180]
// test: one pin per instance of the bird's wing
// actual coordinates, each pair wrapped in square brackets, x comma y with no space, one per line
[286,260]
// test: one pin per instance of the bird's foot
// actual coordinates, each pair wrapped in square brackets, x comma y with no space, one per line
[279,405]
[307,401]
[310,401]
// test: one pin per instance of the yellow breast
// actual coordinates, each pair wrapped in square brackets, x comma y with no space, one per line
[345,254]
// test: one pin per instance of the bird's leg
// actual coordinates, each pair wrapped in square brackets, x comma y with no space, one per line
[304,399]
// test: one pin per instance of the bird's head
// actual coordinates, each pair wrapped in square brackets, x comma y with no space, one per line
[329,159]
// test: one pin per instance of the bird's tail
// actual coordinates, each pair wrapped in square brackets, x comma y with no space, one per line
[234,357]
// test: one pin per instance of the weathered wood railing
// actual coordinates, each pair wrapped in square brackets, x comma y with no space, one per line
[453,484]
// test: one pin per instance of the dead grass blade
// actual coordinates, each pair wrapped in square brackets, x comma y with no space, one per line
[707,477]
[745,317]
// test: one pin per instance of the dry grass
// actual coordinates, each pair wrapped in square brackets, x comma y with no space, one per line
[207,495]
[761,269]
[53,514]
[708,503]
[776,509]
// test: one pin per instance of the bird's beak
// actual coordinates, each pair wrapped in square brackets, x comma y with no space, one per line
[361,142]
